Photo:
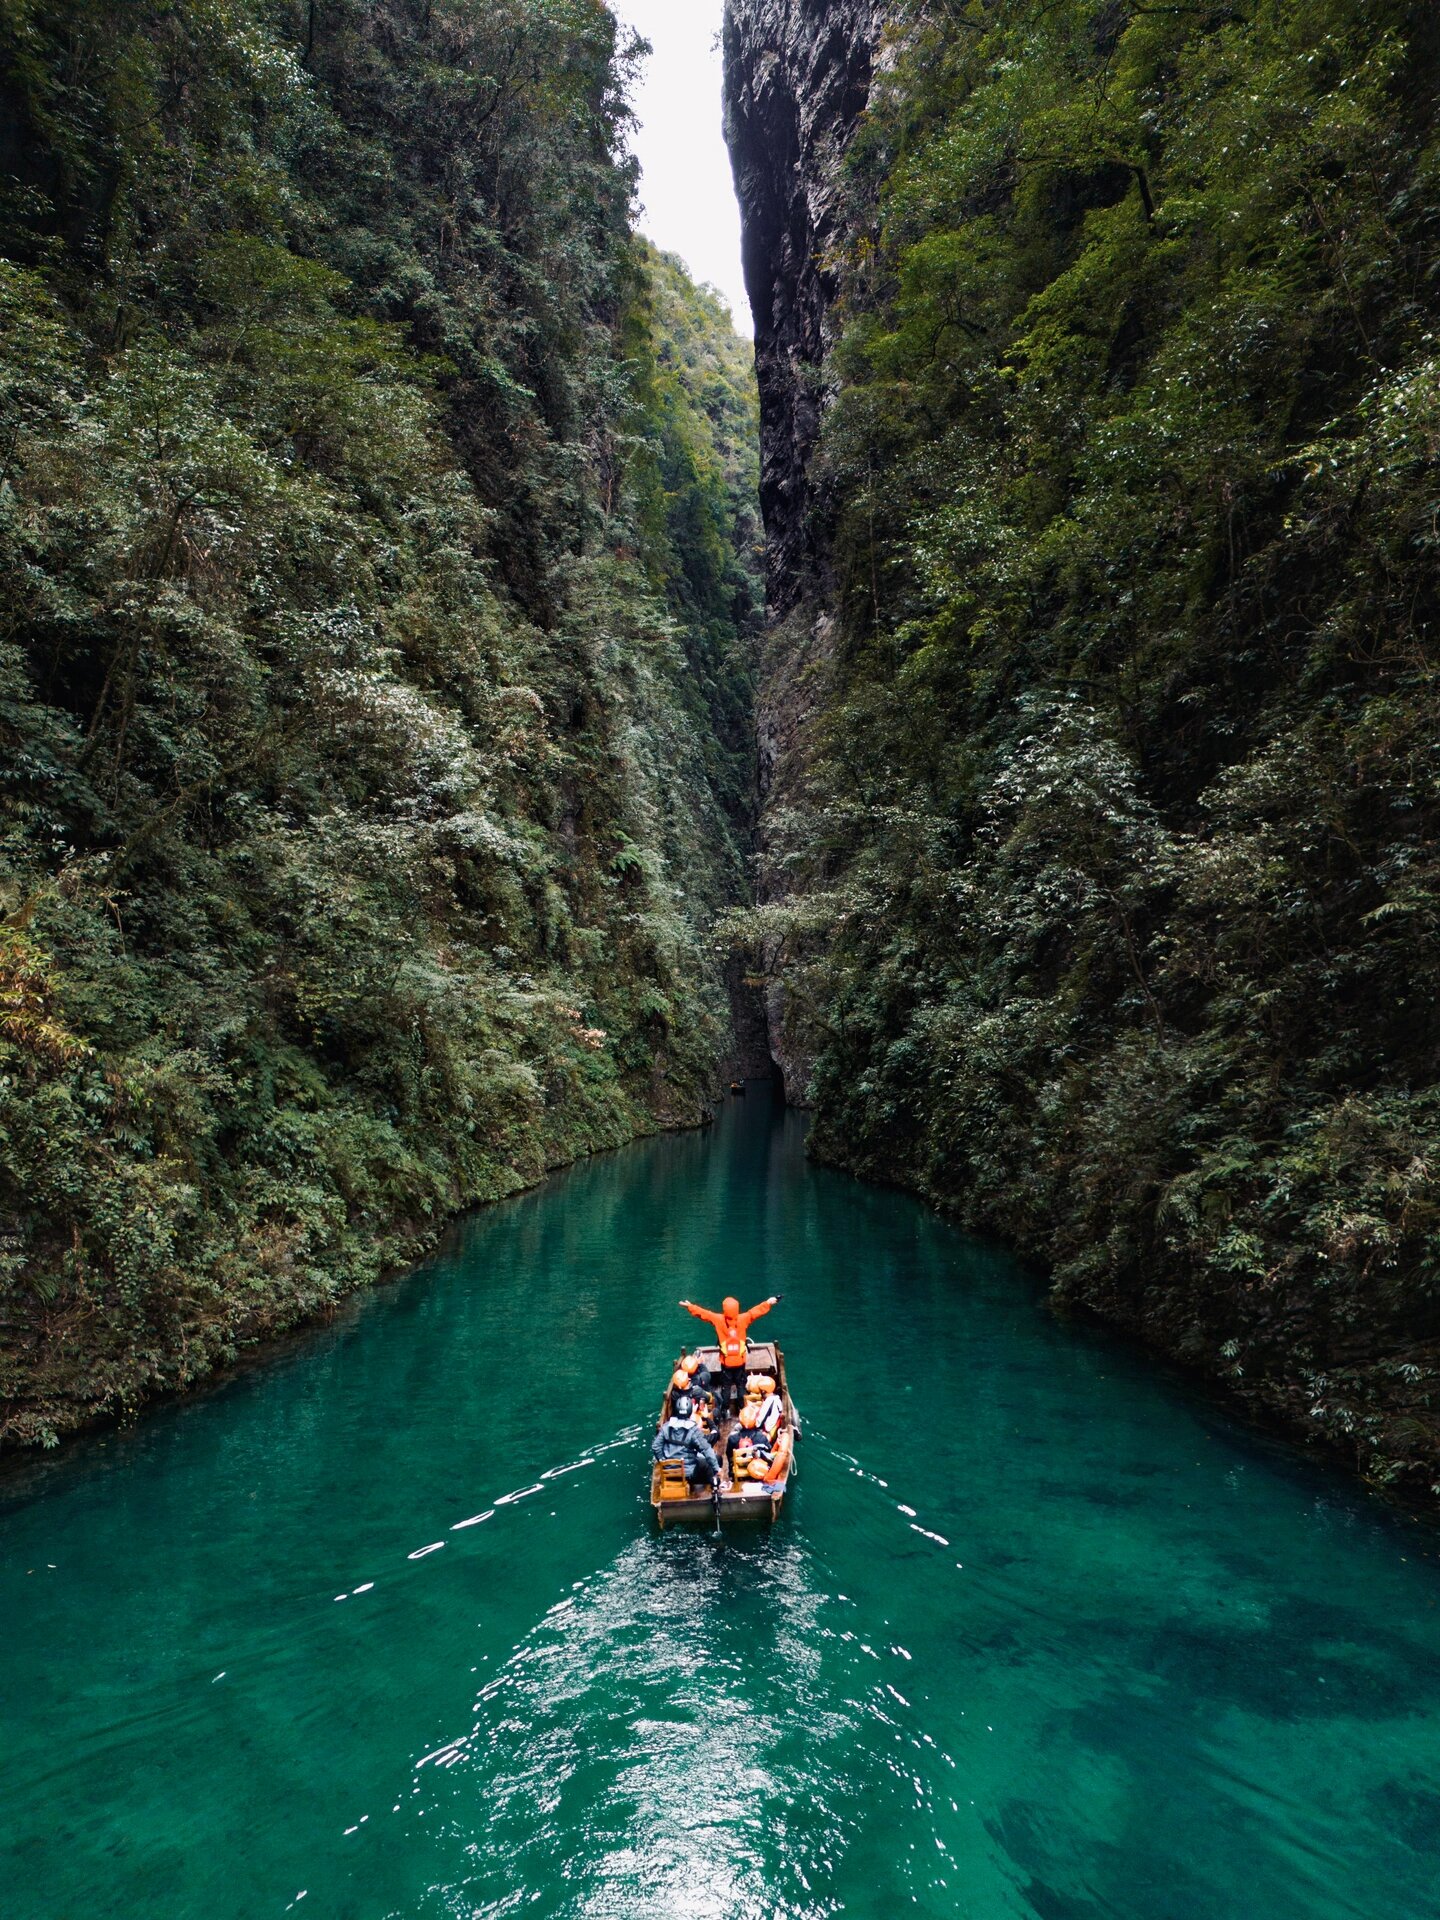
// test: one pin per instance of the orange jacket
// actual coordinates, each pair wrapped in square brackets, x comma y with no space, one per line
[730,1327]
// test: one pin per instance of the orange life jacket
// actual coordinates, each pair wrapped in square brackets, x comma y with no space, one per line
[780,1465]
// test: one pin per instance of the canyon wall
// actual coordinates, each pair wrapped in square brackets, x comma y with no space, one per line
[380,574]
[797,80]
[1097,713]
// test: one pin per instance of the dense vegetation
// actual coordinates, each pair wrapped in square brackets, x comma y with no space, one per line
[377,587]
[1117,925]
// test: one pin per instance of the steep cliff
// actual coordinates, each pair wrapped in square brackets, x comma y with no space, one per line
[797,79]
[1101,398]
[379,570]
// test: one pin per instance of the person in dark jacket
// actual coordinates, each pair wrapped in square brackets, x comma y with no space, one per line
[681,1437]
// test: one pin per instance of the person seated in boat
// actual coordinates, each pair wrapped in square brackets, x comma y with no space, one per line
[696,1368]
[682,1381]
[769,1407]
[706,1414]
[681,1437]
[747,1443]
[702,1381]
[731,1327]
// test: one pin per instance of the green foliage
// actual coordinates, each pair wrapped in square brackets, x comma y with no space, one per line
[1129,794]
[376,535]
[695,475]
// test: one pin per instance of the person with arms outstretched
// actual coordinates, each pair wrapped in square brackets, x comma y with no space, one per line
[731,1326]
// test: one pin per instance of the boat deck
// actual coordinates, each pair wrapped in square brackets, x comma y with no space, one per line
[749,1499]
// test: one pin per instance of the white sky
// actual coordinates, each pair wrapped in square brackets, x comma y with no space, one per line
[686,192]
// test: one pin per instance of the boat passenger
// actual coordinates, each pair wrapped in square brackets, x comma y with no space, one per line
[681,1437]
[702,1381]
[760,1393]
[731,1326]
[747,1440]
[699,1404]
[699,1373]
[769,1412]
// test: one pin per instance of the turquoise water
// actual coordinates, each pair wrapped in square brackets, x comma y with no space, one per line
[383,1629]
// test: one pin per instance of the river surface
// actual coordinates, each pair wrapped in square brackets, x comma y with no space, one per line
[383,1629]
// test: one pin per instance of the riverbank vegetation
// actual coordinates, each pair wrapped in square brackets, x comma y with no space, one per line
[1116,870]
[379,579]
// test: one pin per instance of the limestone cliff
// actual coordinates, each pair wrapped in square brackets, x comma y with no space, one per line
[797,79]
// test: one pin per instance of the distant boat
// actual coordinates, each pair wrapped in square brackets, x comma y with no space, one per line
[737,1086]
[675,1501]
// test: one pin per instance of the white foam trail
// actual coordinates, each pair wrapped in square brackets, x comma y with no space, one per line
[521,1493]
[625,1439]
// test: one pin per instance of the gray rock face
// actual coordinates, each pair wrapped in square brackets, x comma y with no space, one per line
[797,79]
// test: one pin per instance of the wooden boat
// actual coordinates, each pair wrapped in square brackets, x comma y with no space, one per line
[675,1502]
